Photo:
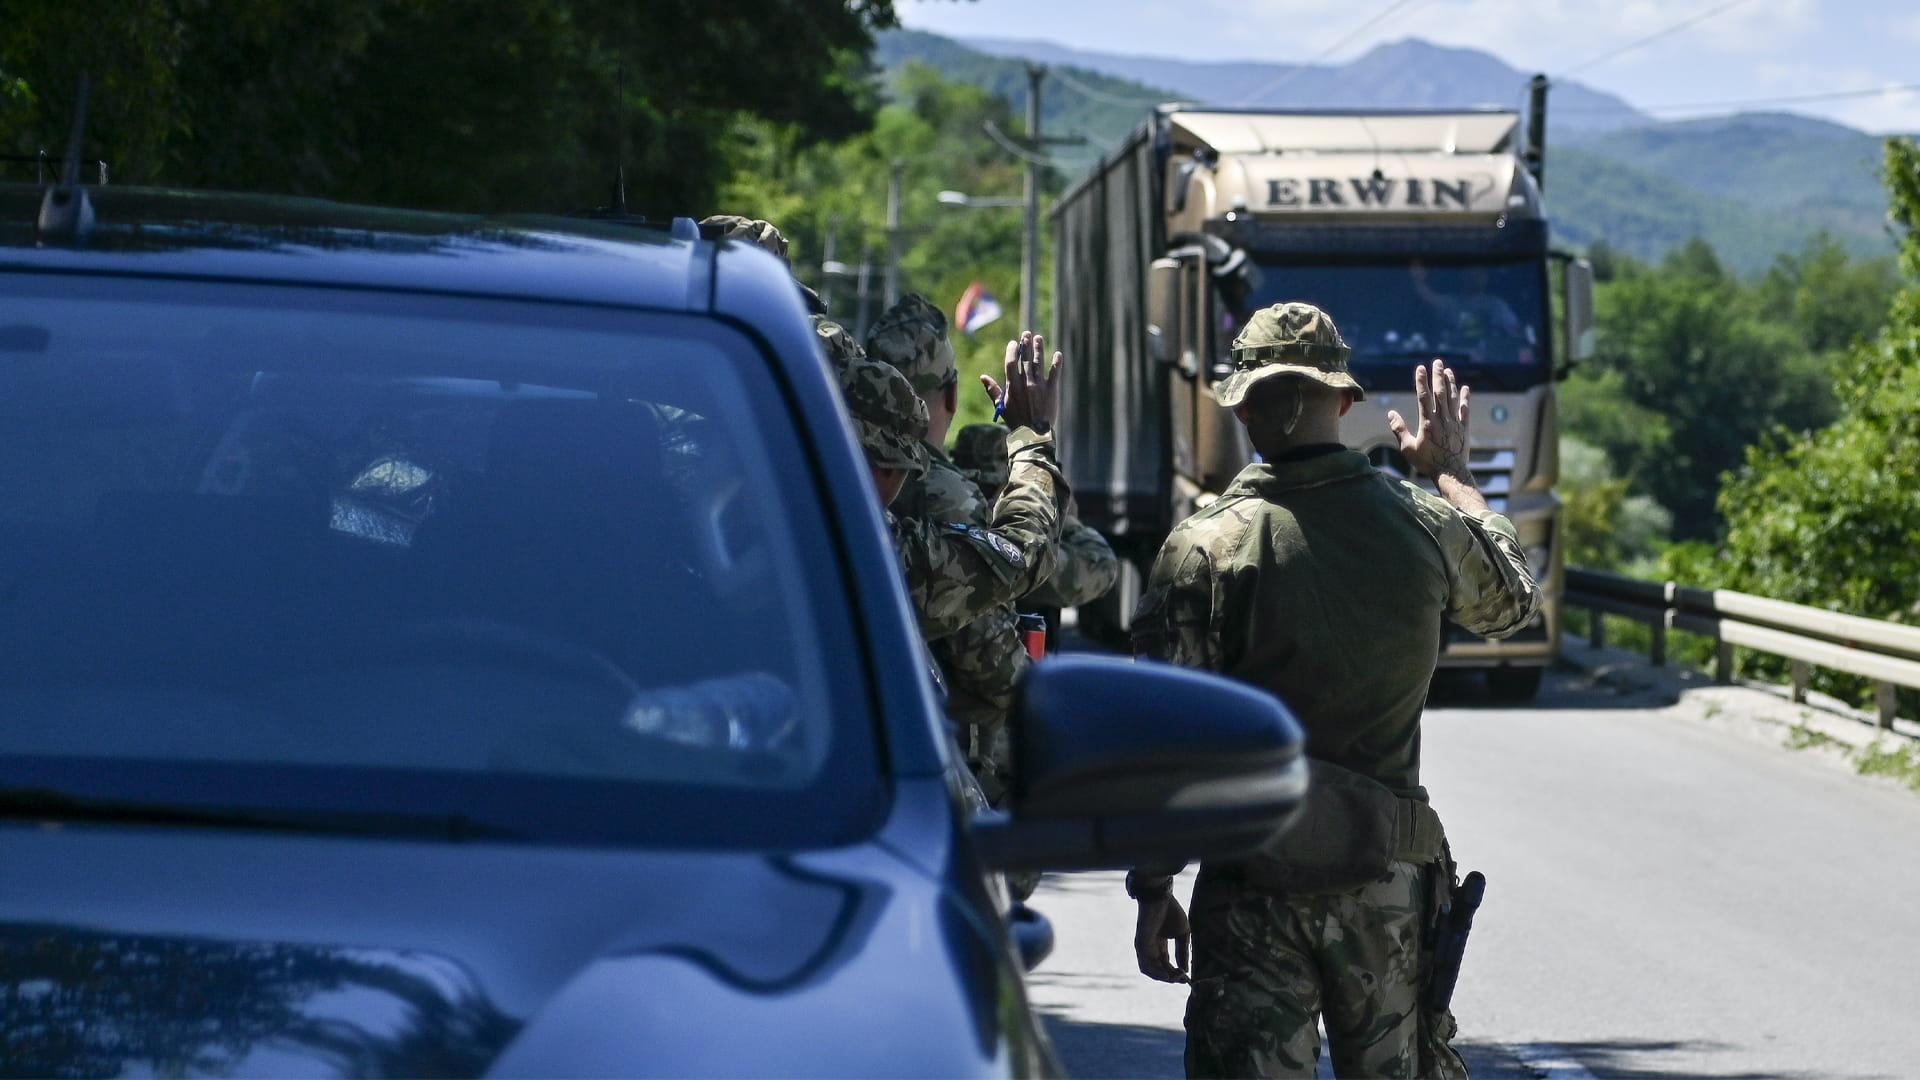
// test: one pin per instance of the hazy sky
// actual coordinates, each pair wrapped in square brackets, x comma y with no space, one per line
[1751,51]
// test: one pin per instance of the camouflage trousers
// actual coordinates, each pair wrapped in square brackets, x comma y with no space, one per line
[1266,968]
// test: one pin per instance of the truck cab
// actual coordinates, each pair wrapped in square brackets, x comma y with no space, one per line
[1422,232]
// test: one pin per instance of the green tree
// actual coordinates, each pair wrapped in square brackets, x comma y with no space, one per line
[1832,518]
[835,195]
[1607,527]
[1831,299]
[1688,374]
[452,104]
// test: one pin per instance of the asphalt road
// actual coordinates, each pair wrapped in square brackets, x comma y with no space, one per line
[1667,895]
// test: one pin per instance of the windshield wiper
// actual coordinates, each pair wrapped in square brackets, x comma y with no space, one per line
[48,804]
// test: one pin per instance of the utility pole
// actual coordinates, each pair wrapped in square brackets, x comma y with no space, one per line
[826,260]
[890,290]
[1032,146]
[1030,236]
[860,291]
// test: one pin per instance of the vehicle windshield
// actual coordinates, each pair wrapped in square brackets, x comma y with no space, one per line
[546,571]
[1488,319]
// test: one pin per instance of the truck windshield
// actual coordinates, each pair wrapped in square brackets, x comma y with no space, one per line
[1487,319]
[526,569]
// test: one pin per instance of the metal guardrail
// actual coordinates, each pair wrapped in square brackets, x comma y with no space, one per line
[1888,653]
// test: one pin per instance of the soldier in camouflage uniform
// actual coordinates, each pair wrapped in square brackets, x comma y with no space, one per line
[1087,566]
[764,235]
[982,660]
[1325,581]
[956,572]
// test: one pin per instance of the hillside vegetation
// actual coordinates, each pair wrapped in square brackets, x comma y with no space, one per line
[1751,186]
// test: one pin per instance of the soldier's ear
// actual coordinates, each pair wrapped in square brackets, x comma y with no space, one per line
[1346,401]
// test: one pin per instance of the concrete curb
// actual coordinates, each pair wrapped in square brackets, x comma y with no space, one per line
[1822,725]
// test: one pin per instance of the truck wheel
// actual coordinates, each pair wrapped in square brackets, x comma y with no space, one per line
[1514,684]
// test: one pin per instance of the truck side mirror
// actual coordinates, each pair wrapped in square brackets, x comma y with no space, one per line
[1579,307]
[1163,310]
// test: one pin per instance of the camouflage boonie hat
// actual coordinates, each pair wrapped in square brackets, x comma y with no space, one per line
[912,336]
[751,230]
[980,452]
[839,345]
[887,415]
[1287,339]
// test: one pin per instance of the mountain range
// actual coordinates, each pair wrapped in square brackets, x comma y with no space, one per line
[1754,185]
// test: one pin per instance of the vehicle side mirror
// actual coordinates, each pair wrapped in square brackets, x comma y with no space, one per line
[1117,764]
[1579,308]
[1163,310]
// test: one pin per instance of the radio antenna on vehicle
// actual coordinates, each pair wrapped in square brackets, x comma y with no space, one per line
[66,214]
[616,208]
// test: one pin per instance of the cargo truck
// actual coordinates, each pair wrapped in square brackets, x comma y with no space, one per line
[1422,232]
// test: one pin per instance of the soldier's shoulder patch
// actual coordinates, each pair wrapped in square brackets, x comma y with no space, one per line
[1008,549]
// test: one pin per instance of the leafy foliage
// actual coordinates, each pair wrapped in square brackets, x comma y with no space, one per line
[1831,518]
[831,199]
[1607,526]
[467,105]
[1691,370]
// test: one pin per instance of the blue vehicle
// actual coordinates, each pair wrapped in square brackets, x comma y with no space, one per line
[436,646]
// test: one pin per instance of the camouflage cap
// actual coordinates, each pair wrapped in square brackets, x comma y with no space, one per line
[1287,339]
[751,230]
[889,418]
[912,336]
[839,345]
[980,452]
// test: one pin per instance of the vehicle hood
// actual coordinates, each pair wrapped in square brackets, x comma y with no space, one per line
[130,951]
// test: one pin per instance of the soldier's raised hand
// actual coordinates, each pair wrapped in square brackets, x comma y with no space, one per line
[1031,396]
[1439,448]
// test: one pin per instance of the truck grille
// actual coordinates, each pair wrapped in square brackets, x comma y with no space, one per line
[1492,470]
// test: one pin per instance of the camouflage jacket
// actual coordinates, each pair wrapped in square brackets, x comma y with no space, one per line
[1325,581]
[1087,568]
[983,659]
[957,571]
[942,493]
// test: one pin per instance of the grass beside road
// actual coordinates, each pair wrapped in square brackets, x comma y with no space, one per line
[1898,760]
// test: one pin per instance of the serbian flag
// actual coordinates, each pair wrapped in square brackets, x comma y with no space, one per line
[977,309]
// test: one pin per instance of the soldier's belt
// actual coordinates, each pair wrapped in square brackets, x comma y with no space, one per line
[1349,831]
[1422,838]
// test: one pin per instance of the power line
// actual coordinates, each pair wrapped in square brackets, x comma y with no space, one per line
[1010,146]
[1289,75]
[1099,95]
[1834,95]
[1650,38]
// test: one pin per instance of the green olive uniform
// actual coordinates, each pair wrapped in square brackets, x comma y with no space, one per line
[1325,581]
[955,571]
[983,660]
[1086,568]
